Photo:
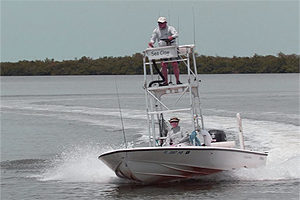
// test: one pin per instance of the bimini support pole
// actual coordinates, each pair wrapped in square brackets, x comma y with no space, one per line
[197,80]
[147,100]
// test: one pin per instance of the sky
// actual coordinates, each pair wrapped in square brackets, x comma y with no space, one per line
[69,29]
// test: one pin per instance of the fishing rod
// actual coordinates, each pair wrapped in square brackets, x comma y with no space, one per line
[194,28]
[123,130]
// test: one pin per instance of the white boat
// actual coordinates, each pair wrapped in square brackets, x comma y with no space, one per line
[158,163]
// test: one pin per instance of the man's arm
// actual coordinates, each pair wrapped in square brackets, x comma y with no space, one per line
[174,33]
[153,37]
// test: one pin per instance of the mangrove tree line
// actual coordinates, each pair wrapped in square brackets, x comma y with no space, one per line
[130,65]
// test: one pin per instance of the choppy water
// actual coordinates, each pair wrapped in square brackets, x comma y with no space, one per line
[54,128]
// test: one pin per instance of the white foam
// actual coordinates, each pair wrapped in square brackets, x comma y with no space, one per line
[79,164]
[279,139]
[276,172]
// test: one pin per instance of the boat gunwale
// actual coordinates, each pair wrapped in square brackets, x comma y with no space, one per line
[182,148]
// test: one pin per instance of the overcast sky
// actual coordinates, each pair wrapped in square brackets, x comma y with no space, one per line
[35,30]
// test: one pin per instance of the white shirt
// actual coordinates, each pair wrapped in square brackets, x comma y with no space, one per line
[159,34]
[174,136]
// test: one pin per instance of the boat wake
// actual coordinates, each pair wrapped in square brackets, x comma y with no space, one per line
[283,171]
[80,164]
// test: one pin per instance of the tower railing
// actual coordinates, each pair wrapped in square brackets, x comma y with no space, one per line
[156,106]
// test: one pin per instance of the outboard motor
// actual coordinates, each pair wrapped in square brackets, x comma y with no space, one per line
[217,135]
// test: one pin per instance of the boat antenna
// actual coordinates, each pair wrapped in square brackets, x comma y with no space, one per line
[178,29]
[194,29]
[121,114]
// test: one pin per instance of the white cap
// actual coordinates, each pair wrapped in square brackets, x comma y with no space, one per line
[162,20]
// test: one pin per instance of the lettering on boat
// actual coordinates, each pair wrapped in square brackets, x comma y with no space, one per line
[160,53]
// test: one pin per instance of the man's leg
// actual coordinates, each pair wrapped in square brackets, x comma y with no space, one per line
[164,71]
[176,71]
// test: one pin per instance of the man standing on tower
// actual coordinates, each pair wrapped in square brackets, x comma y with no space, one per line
[165,36]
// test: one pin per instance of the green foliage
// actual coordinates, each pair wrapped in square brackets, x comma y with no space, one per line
[256,64]
[130,65]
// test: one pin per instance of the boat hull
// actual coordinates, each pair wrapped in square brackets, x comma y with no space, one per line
[157,164]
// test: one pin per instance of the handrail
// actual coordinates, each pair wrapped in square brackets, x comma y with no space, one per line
[169,111]
[168,61]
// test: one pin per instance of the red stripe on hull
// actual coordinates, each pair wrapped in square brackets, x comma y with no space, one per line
[175,173]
